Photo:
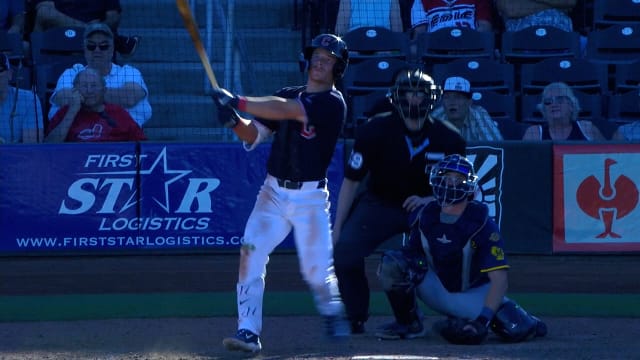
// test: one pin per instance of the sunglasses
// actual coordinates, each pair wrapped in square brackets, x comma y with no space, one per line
[102,47]
[556,100]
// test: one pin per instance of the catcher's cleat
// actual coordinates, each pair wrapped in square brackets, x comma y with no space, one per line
[244,340]
[395,331]
[541,327]
[337,327]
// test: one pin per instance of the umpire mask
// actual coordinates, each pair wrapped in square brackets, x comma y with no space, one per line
[414,94]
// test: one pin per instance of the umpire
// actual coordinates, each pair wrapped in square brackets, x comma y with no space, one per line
[393,151]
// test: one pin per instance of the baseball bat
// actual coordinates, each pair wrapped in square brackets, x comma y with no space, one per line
[192,27]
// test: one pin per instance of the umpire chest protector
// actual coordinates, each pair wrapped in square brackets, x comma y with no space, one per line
[450,248]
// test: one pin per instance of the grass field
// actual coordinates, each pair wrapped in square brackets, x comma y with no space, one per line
[210,304]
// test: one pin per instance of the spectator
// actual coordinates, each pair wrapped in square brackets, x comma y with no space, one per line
[393,149]
[20,113]
[80,13]
[87,118]
[353,14]
[12,16]
[125,85]
[560,108]
[432,15]
[521,14]
[455,263]
[473,121]
[628,132]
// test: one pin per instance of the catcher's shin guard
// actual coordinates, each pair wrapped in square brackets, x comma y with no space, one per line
[404,305]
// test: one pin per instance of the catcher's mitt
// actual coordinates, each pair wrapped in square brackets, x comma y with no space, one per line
[463,332]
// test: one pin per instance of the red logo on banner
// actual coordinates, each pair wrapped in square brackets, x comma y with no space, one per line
[607,202]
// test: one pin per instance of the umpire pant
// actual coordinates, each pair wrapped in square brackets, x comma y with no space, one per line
[371,222]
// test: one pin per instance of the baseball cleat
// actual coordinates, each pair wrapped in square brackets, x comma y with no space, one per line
[395,331]
[337,327]
[244,340]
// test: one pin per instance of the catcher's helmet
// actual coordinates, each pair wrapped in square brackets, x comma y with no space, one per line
[450,190]
[333,44]
[417,82]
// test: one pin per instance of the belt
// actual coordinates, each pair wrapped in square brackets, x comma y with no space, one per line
[297,185]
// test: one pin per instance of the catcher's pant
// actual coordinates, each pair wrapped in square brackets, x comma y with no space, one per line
[466,305]
[277,211]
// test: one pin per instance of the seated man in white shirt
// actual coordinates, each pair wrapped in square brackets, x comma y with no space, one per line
[125,85]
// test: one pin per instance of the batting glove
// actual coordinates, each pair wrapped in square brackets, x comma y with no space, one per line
[224,98]
[227,116]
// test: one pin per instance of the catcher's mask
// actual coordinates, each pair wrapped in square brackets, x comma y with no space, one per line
[414,94]
[453,180]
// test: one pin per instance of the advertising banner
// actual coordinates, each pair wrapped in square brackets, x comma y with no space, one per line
[596,204]
[115,198]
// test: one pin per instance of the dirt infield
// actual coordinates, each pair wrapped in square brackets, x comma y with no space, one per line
[292,337]
[298,338]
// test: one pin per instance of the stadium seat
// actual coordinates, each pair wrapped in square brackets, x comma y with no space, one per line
[484,74]
[371,75]
[615,12]
[617,44]
[536,43]
[501,107]
[624,107]
[46,78]
[590,107]
[626,77]
[580,74]
[448,44]
[361,107]
[58,45]
[376,42]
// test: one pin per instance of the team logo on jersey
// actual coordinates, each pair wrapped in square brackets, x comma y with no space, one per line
[308,132]
[443,239]
[495,237]
[355,160]
[497,253]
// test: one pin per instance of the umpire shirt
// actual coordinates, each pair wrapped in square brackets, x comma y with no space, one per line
[398,161]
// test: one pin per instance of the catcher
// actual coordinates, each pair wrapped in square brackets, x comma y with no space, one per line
[455,263]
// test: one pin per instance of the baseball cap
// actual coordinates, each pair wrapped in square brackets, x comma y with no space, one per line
[458,84]
[4,62]
[97,27]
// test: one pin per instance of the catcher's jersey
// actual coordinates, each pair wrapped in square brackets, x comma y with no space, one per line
[462,253]
[300,153]
[398,161]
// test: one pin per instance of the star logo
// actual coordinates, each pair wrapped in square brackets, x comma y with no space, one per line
[158,172]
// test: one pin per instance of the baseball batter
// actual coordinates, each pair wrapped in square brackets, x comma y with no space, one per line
[392,151]
[460,248]
[306,122]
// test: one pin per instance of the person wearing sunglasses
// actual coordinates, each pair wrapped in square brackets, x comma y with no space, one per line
[89,118]
[125,84]
[560,107]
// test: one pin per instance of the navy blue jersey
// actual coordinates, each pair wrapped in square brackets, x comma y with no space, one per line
[398,161]
[462,253]
[301,153]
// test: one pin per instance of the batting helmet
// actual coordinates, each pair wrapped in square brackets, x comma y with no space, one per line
[449,190]
[333,44]
[417,82]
